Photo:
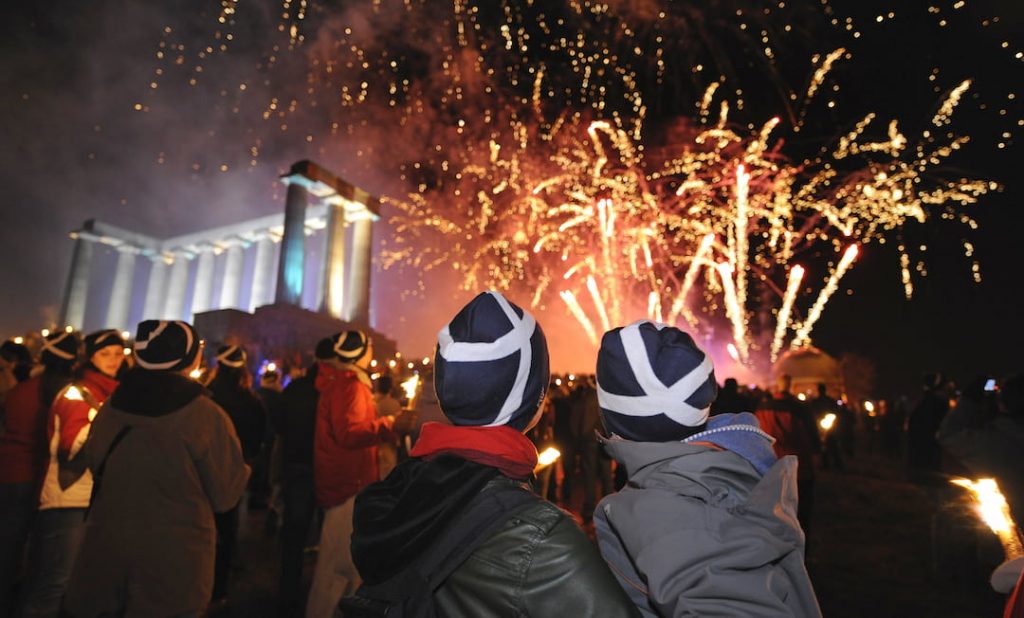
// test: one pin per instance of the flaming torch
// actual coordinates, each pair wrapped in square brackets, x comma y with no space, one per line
[412,390]
[995,512]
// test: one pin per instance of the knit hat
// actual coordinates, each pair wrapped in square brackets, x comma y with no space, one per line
[61,347]
[348,346]
[491,365]
[94,342]
[231,356]
[166,346]
[654,384]
[324,349]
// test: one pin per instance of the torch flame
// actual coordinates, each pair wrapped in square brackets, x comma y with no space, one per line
[549,456]
[827,421]
[410,386]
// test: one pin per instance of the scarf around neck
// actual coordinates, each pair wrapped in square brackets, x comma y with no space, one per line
[499,447]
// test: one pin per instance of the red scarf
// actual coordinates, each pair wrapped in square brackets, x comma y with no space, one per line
[499,447]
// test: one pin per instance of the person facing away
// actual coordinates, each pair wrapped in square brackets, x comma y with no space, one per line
[296,426]
[229,389]
[491,372]
[164,459]
[707,523]
[67,485]
[924,455]
[24,456]
[348,431]
[730,400]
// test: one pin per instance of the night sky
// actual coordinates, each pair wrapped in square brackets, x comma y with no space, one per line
[76,147]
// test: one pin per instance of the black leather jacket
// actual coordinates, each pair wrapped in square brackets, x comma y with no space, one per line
[538,564]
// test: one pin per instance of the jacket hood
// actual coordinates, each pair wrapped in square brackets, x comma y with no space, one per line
[154,393]
[396,519]
[721,478]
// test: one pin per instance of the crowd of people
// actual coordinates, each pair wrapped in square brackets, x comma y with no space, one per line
[124,466]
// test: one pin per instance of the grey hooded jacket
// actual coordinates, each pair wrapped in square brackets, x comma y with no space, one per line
[698,532]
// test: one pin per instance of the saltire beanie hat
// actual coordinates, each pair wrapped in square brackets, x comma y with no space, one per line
[491,365]
[654,384]
[59,348]
[162,345]
[94,342]
[348,346]
[231,356]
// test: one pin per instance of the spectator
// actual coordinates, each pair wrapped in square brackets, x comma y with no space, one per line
[730,400]
[344,462]
[67,485]
[387,405]
[164,458]
[229,389]
[491,374]
[24,456]
[706,525]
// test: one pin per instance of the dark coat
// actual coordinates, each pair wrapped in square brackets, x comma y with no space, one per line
[539,563]
[150,537]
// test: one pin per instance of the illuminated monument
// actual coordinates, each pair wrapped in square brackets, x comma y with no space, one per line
[277,283]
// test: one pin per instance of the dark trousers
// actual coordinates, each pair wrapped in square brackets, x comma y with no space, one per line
[56,538]
[299,507]
[227,544]
[18,502]
[595,467]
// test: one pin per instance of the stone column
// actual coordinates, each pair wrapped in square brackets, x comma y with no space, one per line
[262,274]
[121,294]
[76,292]
[357,303]
[293,247]
[203,291]
[233,267]
[155,291]
[332,271]
[174,303]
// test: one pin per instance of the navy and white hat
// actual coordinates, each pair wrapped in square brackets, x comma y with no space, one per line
[348,346]
[61,347]
[162,345]
[654,384]
[491,365]
[231,356]
[324,349]
[94,342]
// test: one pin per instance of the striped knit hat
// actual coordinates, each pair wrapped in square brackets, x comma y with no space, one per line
[349,346]
[94,342]
[166,346]
[654,383]
[59,348]
[231,356]
[491,365]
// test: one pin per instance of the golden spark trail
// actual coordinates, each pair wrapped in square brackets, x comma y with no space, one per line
[796,275]
[733,311]
[679,305]
[742,194]
[577,312]
[595,294]
[803,334]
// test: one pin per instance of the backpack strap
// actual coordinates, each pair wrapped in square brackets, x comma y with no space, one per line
[488,511]
[481,518]
[97,474]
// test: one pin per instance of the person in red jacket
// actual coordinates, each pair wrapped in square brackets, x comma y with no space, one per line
[23,456]
[344,462]
[67,486]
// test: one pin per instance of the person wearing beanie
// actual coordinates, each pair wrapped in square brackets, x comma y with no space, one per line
[296,427]
[164,459]
[24,456]
[67,485]
[491,377]
[230,389]
[15,366]
[348,431]
[707,523]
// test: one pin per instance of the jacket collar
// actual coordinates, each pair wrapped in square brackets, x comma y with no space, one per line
[154,393]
